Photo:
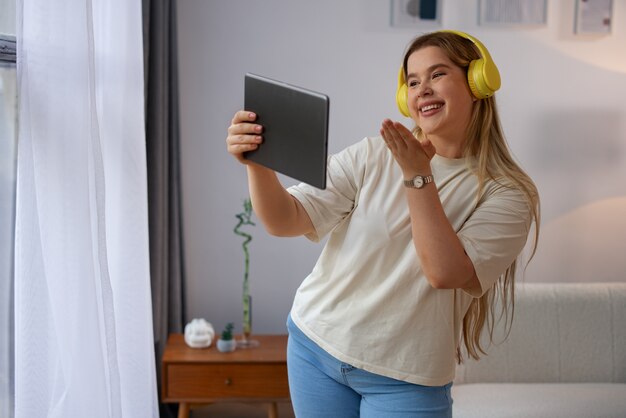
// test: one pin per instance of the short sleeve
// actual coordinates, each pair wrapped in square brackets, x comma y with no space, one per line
[495,234]
[328,207]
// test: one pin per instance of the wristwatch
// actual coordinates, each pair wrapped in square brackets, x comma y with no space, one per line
[418,181]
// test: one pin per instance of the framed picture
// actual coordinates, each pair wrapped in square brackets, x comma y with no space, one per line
[512,13]
[424,14]
[593,17]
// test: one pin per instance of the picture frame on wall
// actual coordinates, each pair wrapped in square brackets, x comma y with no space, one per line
[513,13]
[593,17]
[422,14]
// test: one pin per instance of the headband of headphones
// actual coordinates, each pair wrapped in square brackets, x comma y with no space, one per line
[483,76]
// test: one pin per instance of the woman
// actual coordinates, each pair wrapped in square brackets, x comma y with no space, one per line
[425,229]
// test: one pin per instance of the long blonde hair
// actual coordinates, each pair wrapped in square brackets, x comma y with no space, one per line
[488,147]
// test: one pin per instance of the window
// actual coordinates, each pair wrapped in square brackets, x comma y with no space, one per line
[8,148]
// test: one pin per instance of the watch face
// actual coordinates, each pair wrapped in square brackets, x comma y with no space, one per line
[418,182]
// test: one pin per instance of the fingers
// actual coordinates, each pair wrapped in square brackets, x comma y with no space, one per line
[243,135]
[243,116]
[400,129]
[243,128]
[242,124]
[237,144]
[389,135]
[396,136]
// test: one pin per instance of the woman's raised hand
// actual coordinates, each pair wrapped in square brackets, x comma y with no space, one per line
[412,156]
[243,135]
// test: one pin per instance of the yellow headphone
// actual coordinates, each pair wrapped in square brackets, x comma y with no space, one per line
[483,76]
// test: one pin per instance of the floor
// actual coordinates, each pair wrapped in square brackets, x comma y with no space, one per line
[240,410]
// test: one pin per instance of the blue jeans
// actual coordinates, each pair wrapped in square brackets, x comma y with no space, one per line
[322,386]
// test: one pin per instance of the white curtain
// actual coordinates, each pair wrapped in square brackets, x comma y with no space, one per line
[8,135]
[83,327]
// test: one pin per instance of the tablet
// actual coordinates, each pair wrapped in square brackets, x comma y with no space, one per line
[295,128]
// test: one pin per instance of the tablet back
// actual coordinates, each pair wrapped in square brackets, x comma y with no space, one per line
[295,128]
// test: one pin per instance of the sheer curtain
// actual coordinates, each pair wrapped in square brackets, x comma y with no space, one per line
[8,110]
[83,328]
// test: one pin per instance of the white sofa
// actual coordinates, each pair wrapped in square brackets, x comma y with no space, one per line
[565,357]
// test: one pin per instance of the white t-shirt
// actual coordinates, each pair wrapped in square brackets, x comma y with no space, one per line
[367,301]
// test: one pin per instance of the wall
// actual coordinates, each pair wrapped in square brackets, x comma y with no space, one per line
[562,108]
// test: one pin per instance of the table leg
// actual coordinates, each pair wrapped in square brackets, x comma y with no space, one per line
[272,410]
[183,410]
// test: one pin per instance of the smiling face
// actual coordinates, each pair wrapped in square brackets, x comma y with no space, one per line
[439,98]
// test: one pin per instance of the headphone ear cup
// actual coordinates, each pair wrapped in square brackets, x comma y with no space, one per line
[401,94]
[473,79]
[483,78]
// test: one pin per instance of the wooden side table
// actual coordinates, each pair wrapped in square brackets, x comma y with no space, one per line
[200,376]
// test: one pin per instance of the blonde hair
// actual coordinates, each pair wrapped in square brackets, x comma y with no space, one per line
[487,145]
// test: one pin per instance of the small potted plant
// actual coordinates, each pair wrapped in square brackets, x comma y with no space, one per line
[226,343]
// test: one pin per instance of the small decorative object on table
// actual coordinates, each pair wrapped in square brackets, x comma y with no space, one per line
[227,343]
[244,219]
[199,333]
